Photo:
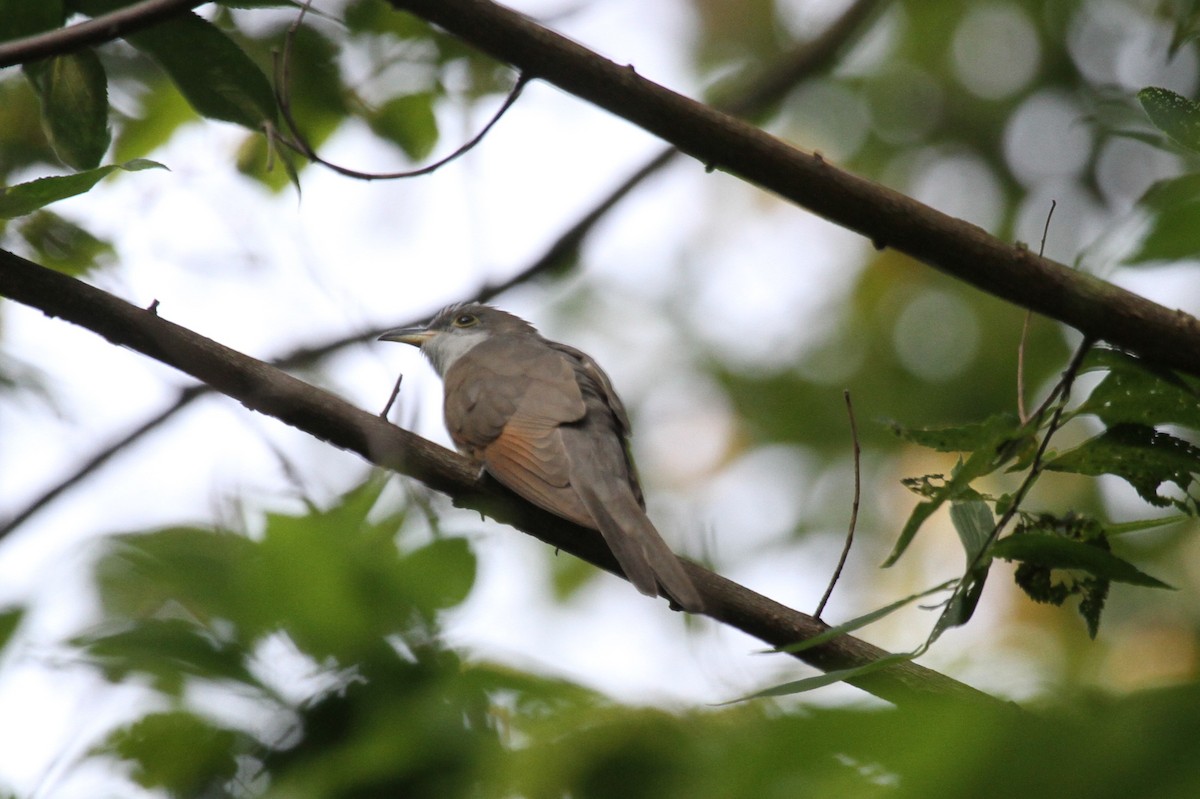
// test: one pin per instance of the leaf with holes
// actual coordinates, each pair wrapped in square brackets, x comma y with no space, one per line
[1135,392]
[1142,456]
[991,432]
[1056,552]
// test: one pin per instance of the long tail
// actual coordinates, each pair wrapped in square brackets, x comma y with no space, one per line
[643,555]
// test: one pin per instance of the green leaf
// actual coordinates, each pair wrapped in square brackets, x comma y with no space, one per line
[440,574]
[1172,206]
[1142,456]
[859,621]
[992,443]
[336,582]
[828,678]
[1135,392]
[958,486]
[62,245]
[260,158]
[168,651]
[1173,114]
[1173,233]
[974,523]
[196,569]
[1142,524]
[10,620]
[213,73]
[963,438]
[20,18]
[25,198]
[1170,193]
[162,110]
[1186,17]
[73,90]
[1056,552]
[409,123]
[1046,581]
[318,104]
[378,16]
[176,751]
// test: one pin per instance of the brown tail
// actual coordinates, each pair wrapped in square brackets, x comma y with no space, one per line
[644,557]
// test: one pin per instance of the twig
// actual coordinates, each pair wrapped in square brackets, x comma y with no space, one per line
[98,459]
[101,29]
[1035,468]
[1046,227]
[300,144]
[1021,412]
[392,399]
[810,58]
[841,564]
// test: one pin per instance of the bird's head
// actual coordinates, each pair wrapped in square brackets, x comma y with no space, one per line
[456,329]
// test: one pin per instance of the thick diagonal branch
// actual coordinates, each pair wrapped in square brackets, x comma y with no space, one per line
[268,390]
[888,218]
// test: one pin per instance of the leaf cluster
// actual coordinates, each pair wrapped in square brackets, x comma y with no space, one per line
[382,707]
[1062,554]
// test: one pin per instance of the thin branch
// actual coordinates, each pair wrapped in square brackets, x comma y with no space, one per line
[267,390]
[887,217]
[101,29]
[841,564]
[98,459]
[1035,468]
[1062,391]
[1021,412]
[298,142]
[760,94]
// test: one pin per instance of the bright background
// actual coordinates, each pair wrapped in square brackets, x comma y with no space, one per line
[729,321]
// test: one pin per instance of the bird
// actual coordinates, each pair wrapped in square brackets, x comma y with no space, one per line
[543,419]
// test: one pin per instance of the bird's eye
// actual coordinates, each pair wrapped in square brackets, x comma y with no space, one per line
[466,320]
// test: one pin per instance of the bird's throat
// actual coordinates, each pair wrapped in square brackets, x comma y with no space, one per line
[444,349]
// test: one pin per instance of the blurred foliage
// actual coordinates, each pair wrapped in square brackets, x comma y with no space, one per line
[986,110]
[378,706]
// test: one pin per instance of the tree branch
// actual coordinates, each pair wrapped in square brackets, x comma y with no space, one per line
[887,217]
[264,388]
[95,31]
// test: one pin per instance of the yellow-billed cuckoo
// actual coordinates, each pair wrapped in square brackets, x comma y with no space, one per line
[543,419]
